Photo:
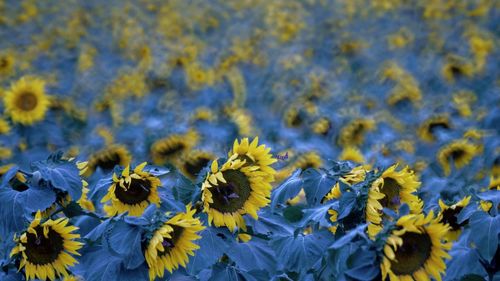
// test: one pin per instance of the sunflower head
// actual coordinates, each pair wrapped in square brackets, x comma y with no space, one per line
[45,248]
[457,67]
[233,190]
[106,159]
[415,249]
[26,102]
[7,61]
[449,216]
[353,154]
[254,154]
[354,132]
[322,126]
[459,152]
[132,192]
[195,161]
[170,245]
[390,190]
[427,130]
[170,148]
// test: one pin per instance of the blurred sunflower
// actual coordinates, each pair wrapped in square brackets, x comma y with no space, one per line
[233,190]
[4,127]
[428,128]
[26,102]
[106,159]
[449,216]
[170,148]
[45,248]
[195,161]
[256,155]
[171,244]
[457,67]
[321,126]
[353,154]
[304,161]
[414,250]
[390,190]
[132,192]
[459,152]
[354,132]
[7,61]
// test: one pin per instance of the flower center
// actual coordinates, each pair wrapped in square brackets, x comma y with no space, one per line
[109,162]
[413,254]
[3,62]
[194,167]
[391,190]
[172,150]
[42,250]
[457,154]
[450,217]
[137,191]
[169,243]
[27,101]
[433,127]
[231,196]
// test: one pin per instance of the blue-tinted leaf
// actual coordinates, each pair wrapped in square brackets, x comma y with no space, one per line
[316,185]
[362,265]
[125,240]
[346,204]
[270,224]
[62,174]
[347,238]
[286,190]
[8,176]
[97,232]
[485,231]
[15,205]
[213,243]
[319,214]
[253,255]
[464,261]
[300,253]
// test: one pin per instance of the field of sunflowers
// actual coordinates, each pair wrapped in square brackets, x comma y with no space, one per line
[250,140]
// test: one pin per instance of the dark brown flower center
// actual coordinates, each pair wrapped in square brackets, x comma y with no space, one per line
[43,250]
[194,167]
[391,189]
[457,154]
[137,191]
[450,217]
[231,196]
[436,126]
[412,255]
[169,243]
[4,62]
[108,162]
[172,149]
[26,101]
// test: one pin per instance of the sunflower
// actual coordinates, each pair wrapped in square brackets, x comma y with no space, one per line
[232,191]
[414,250]
[428,128]
[106,159]
[4,127]
[322,126]
[132,192]
[170,149]
[390,190]
[26,102]
[460,152]
[449,216]
[44,249]
[457,67]
[307,160]
[356,175]
[195,161]
[171,244]
[7,61]
[255,154]
[353,154]
[354,132]
[294,117]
